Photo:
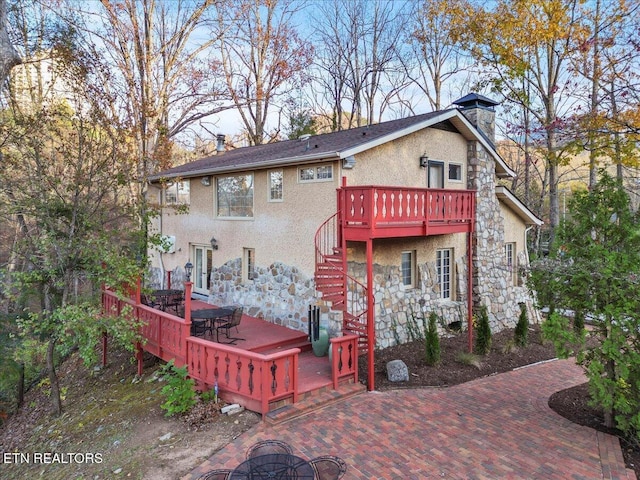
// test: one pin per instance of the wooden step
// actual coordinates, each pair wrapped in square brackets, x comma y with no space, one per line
[313,401]
[303,345]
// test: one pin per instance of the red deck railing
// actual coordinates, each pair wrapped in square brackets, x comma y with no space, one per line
[377,207]
[251,379]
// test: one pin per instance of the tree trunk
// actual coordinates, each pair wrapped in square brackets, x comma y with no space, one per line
[56,402]
[20,387]
[609,415]
[8,55]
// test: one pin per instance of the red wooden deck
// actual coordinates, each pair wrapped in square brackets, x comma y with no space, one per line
[261,336]
[266,370]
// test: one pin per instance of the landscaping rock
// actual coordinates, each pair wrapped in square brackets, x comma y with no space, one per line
[397,371]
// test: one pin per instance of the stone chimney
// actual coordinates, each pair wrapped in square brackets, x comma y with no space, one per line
[220,139]
[480,111]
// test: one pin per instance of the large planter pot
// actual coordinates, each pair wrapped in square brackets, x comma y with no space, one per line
[320,345]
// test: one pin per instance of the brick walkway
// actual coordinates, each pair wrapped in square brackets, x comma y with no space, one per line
[495,427]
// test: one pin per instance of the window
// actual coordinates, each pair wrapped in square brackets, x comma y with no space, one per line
[323,173]
[510,256]
[178,193]
[408,269]
[248,264]
[455,172]
[234,196]
[443,272]
[275,185]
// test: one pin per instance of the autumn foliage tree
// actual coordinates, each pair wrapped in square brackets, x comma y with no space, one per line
[263,59]
[63,185]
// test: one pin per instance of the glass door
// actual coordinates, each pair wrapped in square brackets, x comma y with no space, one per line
[202,269]
[435,175]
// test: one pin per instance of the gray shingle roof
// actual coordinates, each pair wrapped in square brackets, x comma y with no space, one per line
[316,147]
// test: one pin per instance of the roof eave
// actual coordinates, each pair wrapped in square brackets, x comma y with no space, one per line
[507,197]
[279,162]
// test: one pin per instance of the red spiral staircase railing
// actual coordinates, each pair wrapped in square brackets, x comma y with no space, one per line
[343,291]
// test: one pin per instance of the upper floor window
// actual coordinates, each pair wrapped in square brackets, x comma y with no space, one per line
[455,171]
[322,173]
[234,196]
[275,185]
[178,193]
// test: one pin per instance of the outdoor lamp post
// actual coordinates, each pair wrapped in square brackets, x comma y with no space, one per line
[188,268]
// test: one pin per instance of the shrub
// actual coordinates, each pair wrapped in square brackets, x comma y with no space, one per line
[179,391]
[483,335]
[578,322]
[521,332]
[432,341]
[467,358]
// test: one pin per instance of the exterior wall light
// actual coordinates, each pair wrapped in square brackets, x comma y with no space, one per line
[424,161]
[349,162]
[214,243]
[188,268]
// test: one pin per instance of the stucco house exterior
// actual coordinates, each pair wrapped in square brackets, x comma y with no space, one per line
[376,225]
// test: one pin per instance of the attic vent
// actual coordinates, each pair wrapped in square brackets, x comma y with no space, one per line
[304,137]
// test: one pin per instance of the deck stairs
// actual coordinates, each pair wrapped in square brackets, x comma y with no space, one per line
[337,287]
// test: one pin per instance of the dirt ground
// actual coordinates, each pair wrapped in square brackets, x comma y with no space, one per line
[114,421]
[109,412]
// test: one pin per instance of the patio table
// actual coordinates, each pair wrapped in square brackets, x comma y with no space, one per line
[211,316]
[274,466]
[168,298]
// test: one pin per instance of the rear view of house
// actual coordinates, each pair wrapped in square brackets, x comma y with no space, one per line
[373,225]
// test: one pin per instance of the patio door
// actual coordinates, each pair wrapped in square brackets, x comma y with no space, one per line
[435,175]
[202,269]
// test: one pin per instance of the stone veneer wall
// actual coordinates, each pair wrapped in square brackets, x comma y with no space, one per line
[492,281]
[396,306]
[279,293]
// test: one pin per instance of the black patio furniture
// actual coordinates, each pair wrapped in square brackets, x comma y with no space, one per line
[216,475]
[265,447]
[274,466]
[328,467]
[204,320]
[233,321]
[150,300]
[169,298]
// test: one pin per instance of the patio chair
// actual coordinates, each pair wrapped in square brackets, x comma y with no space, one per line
[232,307]
[149,300]
[216,475]
[266,447]
[199,327]
[328,467]
[175,301]
[234,321]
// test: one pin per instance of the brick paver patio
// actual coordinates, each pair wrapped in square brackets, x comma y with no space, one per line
[498,427]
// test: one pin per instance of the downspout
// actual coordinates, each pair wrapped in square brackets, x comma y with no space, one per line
[535,311]
[526,244]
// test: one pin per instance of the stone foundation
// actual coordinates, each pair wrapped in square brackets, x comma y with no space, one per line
[279,293]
